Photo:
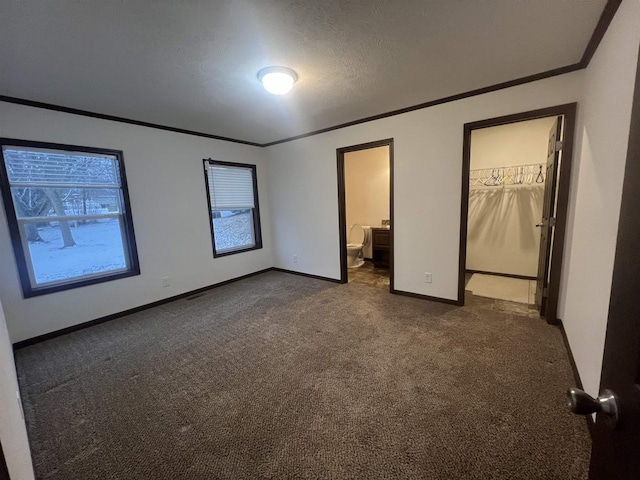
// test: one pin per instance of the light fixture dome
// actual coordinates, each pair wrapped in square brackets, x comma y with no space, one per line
[277,80]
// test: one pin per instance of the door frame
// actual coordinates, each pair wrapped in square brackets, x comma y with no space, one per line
[547,227]
[568,111]
[342,207]
[4,471]
[618,450]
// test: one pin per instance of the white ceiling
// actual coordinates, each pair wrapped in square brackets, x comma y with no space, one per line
[192,64]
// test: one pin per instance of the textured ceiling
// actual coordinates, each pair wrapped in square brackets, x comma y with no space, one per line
[192,64]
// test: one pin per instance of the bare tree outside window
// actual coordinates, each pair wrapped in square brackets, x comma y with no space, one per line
[70,213]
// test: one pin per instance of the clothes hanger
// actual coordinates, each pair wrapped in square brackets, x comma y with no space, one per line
[491,181]
[509,177]
[477,177]
[530,176]
[540,177]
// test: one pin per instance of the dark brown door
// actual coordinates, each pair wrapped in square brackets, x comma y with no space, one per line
[4,473]
[548,214]
[616,453]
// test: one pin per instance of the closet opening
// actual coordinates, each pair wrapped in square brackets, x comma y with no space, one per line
[365,211]
[516,172]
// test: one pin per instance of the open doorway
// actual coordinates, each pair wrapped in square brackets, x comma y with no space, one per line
[365,193]
[515,192]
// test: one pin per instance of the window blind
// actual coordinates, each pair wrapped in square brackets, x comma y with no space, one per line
[39,167]
[230,188]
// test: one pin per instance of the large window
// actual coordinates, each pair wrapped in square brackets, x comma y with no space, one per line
[232,191]
[68,214]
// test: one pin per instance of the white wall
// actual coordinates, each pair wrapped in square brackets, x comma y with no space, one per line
[13,432]
[502,235]
[170,217]
[366,175]
[427,169]
[519,143]
[596,191]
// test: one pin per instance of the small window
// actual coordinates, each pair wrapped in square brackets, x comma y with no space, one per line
[68,213]
[232,191]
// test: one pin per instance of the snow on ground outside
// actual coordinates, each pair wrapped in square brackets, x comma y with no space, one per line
[235,231]
[99,249]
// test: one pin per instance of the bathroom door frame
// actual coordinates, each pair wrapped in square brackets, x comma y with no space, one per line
[342,206]
[568,111]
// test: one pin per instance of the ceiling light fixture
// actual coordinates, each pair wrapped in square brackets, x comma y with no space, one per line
[277,80]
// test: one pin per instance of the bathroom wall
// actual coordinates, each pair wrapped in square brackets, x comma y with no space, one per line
[366,174]
[502,236]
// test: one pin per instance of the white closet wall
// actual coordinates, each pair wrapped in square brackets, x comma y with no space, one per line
[502,236]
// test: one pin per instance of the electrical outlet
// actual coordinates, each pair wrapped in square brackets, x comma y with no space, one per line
[295,259]
[166,281]
[427,277]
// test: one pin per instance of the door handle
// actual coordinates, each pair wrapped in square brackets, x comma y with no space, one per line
[607,405]
[540,225]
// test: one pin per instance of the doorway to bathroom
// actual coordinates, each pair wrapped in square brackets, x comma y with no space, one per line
[514,205]
[365,210]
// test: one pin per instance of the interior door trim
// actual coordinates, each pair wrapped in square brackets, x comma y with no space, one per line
[568,111]
[342,208]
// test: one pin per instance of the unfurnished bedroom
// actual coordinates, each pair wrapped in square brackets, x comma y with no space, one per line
[319,240]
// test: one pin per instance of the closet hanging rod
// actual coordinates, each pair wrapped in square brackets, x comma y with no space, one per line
[528,174]
[536,165]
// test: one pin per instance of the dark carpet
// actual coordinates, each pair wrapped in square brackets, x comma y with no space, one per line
[281,376]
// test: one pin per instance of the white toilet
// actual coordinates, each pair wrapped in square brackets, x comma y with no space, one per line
[356,239]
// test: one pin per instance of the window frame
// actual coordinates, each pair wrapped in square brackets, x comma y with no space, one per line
[24,268]
[257,229]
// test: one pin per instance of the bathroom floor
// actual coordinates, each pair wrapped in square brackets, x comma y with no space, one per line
[369,275]
[502,288]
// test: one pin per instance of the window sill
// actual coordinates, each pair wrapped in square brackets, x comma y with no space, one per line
[233,252]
